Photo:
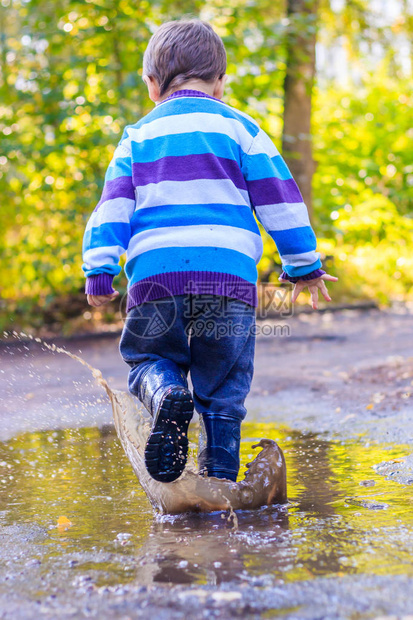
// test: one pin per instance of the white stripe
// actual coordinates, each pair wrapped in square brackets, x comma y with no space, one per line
[300,260]
[96,257]
[121,150]
[263,144]
[218,236]
[188,123]
[223,104]
[119,210]
[199,191]
[283,216]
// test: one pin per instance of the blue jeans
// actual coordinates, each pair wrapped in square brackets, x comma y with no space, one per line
[210,336]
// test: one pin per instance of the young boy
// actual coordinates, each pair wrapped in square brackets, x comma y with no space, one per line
[180,196]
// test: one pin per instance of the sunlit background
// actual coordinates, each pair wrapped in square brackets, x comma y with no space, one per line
[71,80]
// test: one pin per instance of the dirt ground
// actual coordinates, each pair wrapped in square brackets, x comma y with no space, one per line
[337,372]
[342,373]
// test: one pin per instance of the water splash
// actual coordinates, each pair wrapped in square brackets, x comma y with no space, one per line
[264,482]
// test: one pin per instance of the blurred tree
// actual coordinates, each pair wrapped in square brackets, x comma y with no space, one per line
[298,87]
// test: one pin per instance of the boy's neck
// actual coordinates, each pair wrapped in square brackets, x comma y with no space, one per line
[199,85]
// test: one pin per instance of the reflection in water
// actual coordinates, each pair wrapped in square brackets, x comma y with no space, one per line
[85,476]
[205,549]
[316,490]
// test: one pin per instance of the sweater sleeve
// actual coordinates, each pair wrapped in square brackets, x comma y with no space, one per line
[279,207]
[108,230]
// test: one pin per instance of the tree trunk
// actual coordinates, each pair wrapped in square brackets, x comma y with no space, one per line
[298,85]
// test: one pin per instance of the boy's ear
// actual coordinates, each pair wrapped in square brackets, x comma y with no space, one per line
[219,87]
[153,88]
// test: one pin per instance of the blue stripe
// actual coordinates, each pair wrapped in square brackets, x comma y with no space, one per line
[121,168]
[262,166]
[295,272]
[186,105]
[112,233]
[194,143]
[294,240]
[112,270]
[186,215]
[165,260]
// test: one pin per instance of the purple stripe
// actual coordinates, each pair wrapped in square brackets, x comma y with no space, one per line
[100,284]
[188,168]
[121,187]
[273,191]
[164,285]
[317,273]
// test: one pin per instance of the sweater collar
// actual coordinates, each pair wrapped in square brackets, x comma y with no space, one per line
[186,92]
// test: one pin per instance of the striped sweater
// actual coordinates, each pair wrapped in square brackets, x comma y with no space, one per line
[180,196]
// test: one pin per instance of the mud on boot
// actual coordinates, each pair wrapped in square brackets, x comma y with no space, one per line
[164,391]
[219,444]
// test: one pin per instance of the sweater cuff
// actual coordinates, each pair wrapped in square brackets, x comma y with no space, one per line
[101,284]
[309,276]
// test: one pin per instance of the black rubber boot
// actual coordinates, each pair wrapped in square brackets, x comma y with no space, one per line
[219,443]
[163,389]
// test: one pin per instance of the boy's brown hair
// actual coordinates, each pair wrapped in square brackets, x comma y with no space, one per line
[184,50]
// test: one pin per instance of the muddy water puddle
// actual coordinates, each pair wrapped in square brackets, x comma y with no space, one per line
[342,516]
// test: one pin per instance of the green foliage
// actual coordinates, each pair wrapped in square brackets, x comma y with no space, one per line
[372,250]
[363,145]
[70,81]
[363,186]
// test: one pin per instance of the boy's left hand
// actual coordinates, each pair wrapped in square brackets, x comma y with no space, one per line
[313,286]
[100,300]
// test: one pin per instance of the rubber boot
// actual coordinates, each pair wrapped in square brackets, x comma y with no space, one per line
[219,443]
[163,389]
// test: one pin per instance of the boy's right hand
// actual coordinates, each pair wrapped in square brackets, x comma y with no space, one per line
[101,300]
[314,286]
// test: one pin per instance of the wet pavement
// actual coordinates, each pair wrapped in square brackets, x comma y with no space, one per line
[341,548]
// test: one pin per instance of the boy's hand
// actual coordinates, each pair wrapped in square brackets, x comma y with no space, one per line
[313,286]
[101,300]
